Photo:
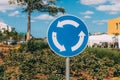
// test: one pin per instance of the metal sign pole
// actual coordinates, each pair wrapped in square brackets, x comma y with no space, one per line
[59,44]
[67,68]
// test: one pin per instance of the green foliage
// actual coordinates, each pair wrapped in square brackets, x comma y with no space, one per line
[38,59]
[1,33]
[1,55]
[2,70]
[23,47]
[39,5]
[102,52]
[33,46]
[6,35]
[117,71]
[55,77]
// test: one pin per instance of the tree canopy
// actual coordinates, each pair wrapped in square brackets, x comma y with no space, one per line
[37,5]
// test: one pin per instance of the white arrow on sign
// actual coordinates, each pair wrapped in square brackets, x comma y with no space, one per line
[71,22]
[81,39]
[60,47]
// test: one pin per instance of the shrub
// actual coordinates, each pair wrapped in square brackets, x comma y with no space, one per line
[33,46]
[2,69]
[23,47]
[103,52]
[55,77]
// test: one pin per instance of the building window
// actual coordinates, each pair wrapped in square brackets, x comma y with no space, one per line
[116,26]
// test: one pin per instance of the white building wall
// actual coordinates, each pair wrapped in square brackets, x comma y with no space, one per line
[4,27]
[98,39]
[119,41]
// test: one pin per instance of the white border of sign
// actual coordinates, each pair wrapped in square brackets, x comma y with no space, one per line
[49,43]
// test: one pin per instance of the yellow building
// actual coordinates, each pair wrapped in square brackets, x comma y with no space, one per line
[114,26]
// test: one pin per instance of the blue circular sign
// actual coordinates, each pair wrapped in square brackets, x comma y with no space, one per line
[67,36]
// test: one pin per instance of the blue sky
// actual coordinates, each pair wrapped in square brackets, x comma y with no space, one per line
[95,14]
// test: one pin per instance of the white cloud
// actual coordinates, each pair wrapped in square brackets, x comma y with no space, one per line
[59,14]
[4,6]
[100,22]
[87,17]
[32,20]
[111,9]
[92,2]
[44,17]
[14,13]
[88,12]
[114,1]
[113,12]
[109,6]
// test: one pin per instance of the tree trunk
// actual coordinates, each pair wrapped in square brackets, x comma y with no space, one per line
[29,25]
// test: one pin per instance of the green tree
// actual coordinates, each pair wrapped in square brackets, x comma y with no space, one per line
[39,5]
[13,35]
[1,36]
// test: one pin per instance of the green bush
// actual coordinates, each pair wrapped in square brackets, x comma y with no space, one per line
[23,47]
[55,77]
[33,46]
[104,52]
[2,70]
[94,62]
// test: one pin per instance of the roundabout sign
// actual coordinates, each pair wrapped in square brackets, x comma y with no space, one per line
[67,36]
